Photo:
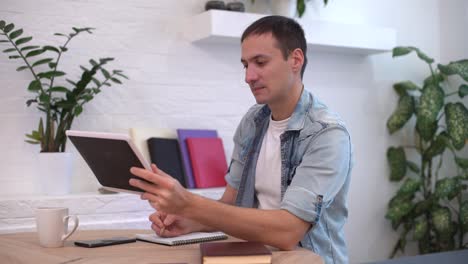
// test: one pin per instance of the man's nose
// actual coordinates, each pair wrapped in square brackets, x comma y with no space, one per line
[250,75]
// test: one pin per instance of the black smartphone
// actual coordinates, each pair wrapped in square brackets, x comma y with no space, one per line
[104,242]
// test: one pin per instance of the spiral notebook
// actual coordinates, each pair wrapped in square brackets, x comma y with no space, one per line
[191,238]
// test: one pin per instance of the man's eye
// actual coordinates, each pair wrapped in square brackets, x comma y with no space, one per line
[244,66]
[260,63]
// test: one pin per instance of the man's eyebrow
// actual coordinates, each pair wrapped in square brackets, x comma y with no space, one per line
[254,58]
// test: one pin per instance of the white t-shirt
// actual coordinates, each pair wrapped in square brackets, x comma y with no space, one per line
[268,171]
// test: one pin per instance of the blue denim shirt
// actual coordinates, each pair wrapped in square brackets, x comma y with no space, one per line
[316,161]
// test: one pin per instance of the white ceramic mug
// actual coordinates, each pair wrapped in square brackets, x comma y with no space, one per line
[52,225]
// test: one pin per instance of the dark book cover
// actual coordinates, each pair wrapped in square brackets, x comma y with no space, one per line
[235,252]
[165,153]
[183,134]
[208,160]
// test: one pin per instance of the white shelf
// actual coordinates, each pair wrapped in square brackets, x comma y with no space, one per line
[217,26]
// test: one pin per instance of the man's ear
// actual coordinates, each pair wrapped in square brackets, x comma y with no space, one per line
[297,60]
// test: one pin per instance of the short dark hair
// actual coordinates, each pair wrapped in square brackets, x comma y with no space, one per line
[286,31]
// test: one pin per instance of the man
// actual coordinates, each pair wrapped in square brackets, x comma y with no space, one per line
[290,168]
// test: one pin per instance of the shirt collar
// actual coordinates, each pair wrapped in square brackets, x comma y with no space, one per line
[297,119]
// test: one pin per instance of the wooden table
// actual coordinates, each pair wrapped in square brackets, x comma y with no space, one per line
[24,248]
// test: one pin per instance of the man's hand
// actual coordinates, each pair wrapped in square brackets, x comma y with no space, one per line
[172,225]
[163,192]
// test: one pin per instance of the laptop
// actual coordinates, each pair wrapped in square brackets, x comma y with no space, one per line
[110,157]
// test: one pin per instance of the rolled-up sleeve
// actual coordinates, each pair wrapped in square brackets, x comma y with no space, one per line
[320,175]
[236,165]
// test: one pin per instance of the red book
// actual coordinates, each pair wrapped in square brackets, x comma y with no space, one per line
[208,161]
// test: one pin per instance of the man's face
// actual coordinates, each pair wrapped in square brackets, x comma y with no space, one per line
[268,74]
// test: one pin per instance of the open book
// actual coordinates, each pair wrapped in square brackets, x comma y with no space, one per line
[195,237]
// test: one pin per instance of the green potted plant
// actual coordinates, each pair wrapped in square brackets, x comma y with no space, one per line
[431,205]
[59,99]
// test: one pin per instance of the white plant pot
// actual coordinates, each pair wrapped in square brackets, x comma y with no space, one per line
[55,172]
[283,7]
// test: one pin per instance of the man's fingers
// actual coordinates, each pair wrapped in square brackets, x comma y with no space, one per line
[167,221]
[154,168]
[145,186]
[162,215]
[155,178]
[159,171]
[156,220]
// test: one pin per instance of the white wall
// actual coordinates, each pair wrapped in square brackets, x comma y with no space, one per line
[176,84]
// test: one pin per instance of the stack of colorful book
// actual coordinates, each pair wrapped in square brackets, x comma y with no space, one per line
[195,157]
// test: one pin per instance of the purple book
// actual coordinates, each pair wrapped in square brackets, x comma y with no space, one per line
[183,134]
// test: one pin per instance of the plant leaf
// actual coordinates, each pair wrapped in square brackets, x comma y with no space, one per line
[60,34]
[51,48]
[397,160]
[463,90]
[441,219]
[430,104]
[50,74]
[400,51]
[14,57]
[464,216]
[458,67]
[402,87]
[77,110]
[16,33]
[420,228]
[29,48]
[23,40]
[409,187]
[116,80]
[402,114]
[461,162]
[30,101]
[434,79]
[34,86]
[437,146]
[43,61]
[59,89]
[44,98]
[105,73]
[300,7]
[34,53]
[9,50]
[399,210]
[96,81]
[9,27]
[423,206]
[120,74]
[21,68]
[456,118]
[447,188]
[2,24]
[412,166]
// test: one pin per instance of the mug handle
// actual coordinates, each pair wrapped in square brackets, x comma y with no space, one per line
[75,226]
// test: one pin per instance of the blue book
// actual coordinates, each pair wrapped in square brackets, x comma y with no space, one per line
[183,134]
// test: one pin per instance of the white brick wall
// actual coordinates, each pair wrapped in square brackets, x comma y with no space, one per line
[94,210]
[175,84]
